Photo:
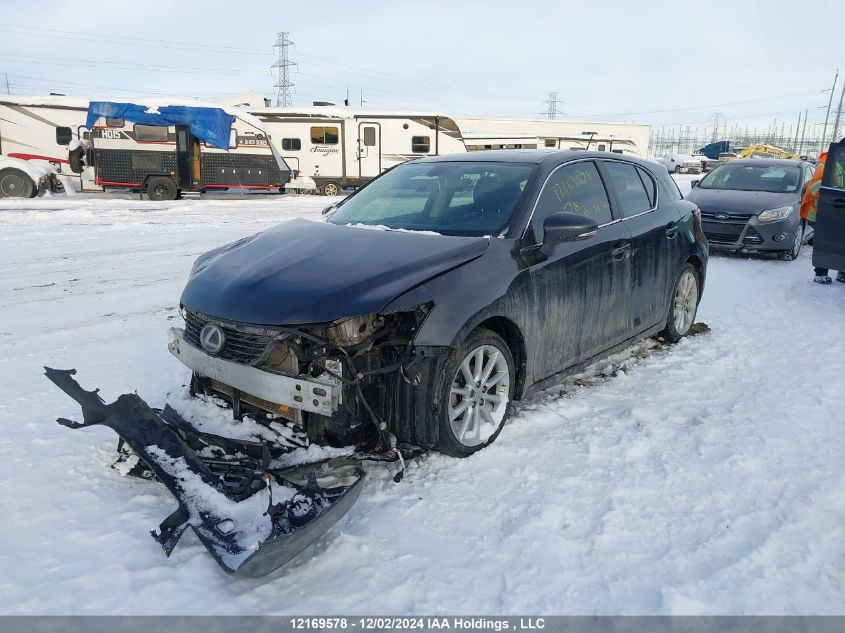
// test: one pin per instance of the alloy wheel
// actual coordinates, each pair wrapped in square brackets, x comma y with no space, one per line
[685,302]
[478,397]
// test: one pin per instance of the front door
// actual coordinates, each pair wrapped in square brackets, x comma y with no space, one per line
[829,238]
[186,155]
[369,149]
[581,292]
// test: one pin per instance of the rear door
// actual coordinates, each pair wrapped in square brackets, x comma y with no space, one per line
[654,233]
[829,239]
[581,291]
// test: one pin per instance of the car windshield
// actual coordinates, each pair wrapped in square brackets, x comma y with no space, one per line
[749,177]
[452,198]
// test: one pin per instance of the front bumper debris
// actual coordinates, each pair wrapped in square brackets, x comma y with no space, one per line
[307,394]
[251,516]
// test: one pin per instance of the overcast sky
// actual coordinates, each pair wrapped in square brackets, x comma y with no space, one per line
[663,63]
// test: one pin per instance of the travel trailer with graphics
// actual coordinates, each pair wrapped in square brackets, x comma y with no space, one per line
[343,147]
[167,148]
[41,128]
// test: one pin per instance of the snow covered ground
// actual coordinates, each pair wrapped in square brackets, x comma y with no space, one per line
[708,477]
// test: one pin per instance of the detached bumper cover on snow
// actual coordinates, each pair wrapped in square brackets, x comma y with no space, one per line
[251,518]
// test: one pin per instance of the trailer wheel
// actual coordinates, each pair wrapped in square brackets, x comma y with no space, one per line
[15,183]
[330,188]
[161,188]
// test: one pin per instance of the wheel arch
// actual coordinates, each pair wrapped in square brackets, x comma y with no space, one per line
[512,335]
[698,267]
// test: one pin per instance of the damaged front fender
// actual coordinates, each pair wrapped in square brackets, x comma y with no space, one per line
[251,517]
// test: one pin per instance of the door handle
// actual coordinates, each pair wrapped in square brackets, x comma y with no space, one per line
[838,203]
[671,231]
[621,251]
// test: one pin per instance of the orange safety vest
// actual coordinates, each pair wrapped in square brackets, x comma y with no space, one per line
[810,201]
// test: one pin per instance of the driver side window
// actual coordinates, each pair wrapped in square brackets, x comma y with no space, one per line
[575,188]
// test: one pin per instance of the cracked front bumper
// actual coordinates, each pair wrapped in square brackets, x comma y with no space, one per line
[302,393]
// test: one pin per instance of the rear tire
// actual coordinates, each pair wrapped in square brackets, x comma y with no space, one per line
[683,304]
[475,394]
[161,188]
[15,183]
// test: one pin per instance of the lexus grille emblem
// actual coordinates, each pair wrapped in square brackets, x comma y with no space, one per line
[722,216]
[212,338]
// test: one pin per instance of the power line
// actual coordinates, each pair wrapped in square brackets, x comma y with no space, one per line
[283,65]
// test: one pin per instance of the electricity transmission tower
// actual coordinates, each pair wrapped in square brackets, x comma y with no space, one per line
[282,66]
[8,86]
[552,103]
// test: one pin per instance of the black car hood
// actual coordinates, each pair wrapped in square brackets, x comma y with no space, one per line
[740,202]
[315,272]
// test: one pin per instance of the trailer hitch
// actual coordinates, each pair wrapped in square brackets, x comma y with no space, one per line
[251,518]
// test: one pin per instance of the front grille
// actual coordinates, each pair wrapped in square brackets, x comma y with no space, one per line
[733,218]
[723,230]
[243,345]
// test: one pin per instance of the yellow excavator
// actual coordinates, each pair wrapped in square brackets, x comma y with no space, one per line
[758,150]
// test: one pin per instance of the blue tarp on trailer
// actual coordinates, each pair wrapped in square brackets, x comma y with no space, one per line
[212,125]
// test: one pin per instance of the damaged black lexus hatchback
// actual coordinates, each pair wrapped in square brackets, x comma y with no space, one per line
[431,299]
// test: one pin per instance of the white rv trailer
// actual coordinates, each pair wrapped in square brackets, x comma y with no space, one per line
[41,128]
[165,147]
[621,138]
[340,146]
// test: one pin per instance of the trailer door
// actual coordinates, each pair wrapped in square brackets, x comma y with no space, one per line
[369,149]
[187,158]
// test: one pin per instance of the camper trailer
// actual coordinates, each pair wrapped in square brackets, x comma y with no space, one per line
[41,128]
[343,147]
[169,148]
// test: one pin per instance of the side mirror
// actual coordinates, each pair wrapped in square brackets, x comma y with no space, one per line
[327,209]
[694,183]
[566,227]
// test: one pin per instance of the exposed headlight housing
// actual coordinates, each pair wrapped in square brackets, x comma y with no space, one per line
[354,330]
[781,213]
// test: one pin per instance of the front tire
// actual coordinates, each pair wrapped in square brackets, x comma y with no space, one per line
[792,254]
[15,183]
[476,394]
[683,305]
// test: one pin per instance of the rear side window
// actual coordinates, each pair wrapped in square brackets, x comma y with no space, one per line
[575,188]
[291,144]
[150,133]
[628,187]
[650,186]
[64,135]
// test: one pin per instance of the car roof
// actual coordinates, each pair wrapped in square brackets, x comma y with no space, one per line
[765,161]
[537,156]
